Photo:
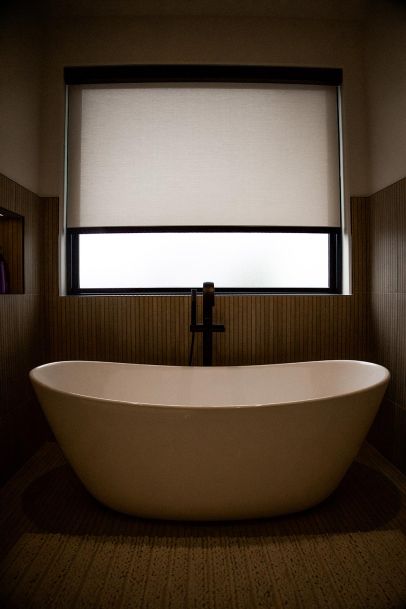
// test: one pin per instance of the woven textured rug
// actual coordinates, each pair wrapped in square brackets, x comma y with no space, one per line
[61,549]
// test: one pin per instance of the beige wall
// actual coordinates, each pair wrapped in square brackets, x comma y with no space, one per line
[20,59]
[237,40]
[386,90]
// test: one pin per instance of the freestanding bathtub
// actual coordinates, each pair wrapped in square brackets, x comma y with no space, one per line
[215,443]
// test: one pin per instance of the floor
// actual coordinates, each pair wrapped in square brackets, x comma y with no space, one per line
[62,549]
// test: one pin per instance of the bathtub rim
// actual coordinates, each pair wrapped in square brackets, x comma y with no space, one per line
[211,407]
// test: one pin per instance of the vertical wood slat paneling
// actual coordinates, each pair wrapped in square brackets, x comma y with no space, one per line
[387,324]
[360,245]
[383,241]
[400,195]
[22,344]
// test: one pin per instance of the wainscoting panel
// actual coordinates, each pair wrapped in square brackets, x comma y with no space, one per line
[360,245]
[22,344]
[155,330]
[388,314]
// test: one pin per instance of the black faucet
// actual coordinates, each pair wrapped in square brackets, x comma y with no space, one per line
[207,327]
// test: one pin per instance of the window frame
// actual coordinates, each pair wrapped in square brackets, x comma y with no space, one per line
[205,73]
[73,235]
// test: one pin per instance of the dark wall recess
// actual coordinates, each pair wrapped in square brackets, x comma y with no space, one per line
[11,252]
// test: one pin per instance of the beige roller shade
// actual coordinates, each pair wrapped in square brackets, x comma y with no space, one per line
[202,154]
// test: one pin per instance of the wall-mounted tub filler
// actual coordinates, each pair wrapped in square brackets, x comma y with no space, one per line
[214,443]
[207,327]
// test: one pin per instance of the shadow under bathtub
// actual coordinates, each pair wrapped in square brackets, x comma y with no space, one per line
[57,502]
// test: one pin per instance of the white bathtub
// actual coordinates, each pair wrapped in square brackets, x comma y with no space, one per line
[210,443]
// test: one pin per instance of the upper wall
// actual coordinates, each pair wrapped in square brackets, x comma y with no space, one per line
[32,103]
[20,65]
[211,40]
[386,92]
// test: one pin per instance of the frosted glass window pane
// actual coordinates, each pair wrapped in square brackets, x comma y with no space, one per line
[201,155]
[185,260]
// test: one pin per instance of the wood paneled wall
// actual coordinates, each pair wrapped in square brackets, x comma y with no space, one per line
[22,345]
[155,329]
[387,294]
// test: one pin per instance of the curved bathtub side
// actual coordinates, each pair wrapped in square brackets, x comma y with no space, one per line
[210,464]
[210,386]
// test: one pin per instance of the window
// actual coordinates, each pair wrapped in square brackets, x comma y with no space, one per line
[181,174]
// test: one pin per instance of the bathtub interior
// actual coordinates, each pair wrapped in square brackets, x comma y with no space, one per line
[210,387]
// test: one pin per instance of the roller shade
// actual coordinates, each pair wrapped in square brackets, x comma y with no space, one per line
[203,154]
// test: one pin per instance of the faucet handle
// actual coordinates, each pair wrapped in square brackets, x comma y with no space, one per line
[208,293]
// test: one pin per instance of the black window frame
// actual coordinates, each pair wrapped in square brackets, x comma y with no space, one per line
[203,73]
[73,235]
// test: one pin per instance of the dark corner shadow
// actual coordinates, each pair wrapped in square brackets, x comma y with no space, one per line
[57,502]
[6,604]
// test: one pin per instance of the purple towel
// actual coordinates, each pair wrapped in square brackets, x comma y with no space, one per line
[3,276]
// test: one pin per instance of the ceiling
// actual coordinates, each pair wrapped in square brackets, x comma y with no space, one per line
[283,9]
